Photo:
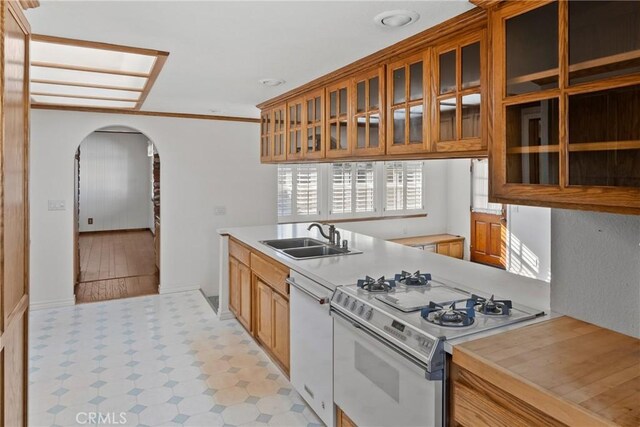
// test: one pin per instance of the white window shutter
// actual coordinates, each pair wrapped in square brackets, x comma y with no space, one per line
[413,181]
[394,187]
[364,188]
[285,190]
[341,188]
[307,190]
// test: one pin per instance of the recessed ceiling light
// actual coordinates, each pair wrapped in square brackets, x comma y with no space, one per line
[271,82]
[396,18]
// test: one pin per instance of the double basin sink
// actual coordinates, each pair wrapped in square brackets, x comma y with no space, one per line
[306,248]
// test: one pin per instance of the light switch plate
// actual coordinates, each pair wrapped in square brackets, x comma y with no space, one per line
[220,210]
[56,205]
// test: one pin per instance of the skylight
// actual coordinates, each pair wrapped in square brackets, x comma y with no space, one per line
[67,72]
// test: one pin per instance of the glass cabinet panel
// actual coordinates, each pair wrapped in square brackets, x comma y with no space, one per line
[265,136]
[532,131]
[604,137]
[532,50]
[279,126]
[471,65]
[367,116]
[312,130]
[407,125]
[448,122]
[458,104]
[338,143]
[471,116]
[295,129]
[448,72]
[604,39]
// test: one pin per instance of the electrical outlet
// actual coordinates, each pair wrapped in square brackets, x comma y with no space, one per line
[56,205]
[90,221]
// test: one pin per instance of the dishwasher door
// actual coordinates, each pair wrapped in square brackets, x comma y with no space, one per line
[312,345]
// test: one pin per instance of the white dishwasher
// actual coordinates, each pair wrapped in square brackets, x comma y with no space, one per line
[312,345]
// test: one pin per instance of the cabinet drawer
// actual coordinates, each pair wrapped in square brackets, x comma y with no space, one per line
[273,274]
[239,252]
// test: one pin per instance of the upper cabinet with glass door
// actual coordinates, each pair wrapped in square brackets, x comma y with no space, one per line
[407,102]
[295,144]
[265,136]
[338,122]
[368,113]
[566,127]
[458,94]
[279,117]
[312,127]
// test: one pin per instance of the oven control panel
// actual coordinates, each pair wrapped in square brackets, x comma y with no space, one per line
[393,328]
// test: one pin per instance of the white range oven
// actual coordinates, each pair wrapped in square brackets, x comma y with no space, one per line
[388,345]
[378,384]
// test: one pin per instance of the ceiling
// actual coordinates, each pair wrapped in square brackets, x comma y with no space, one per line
[220,49]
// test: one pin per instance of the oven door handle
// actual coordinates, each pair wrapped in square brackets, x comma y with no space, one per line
[435,376]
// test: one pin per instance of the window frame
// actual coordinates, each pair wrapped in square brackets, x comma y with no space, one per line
[325,193]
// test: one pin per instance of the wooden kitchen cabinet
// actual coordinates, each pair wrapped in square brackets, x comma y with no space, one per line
[459,76]
[266,135]
[280,328]
[279,144]
[337,120]
[295,148]
[313,125]
[234,286]
[244,279]
[407,102]
[566,104]
[452,249]
[368,118]
[264,313]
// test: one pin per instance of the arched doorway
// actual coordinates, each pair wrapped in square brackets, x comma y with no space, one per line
[116,215]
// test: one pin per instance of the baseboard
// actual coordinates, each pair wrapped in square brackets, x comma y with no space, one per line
[225,315]
[53,304]
[173,290]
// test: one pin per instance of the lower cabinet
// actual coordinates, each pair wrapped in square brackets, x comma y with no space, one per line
[342,420]
[240,291]
[259,298]
[280,331]
[452,249]
[473,402]
[264,313]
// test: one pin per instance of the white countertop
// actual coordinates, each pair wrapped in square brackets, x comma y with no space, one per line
[381,257]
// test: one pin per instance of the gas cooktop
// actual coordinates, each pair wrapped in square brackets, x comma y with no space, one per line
[418,313]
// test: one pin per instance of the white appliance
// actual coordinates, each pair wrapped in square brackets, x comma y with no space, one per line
[312,345]
[389,359]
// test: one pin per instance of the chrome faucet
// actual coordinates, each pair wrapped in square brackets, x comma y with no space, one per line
[333,236]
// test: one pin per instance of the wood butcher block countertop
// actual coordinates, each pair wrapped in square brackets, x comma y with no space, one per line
[576,372]
[427,240]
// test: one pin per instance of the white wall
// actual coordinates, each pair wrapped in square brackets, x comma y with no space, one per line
[529,241]
[435,203]
[205,164]
[115,189]
[596,268]
[459,201]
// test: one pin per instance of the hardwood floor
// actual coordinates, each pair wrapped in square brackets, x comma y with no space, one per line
[116,264]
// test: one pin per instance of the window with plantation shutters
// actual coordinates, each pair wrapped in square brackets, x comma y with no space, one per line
[480,188]
[352,190]
[307,190]
[298,193]
[331,191]
[404,187]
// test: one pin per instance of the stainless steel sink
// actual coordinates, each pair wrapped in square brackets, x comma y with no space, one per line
[296,242]
[318,252]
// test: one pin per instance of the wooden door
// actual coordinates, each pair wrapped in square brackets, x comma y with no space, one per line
[244,288]
[263,312]
[488,239]
[234,291]
[280,336]
[14,217]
